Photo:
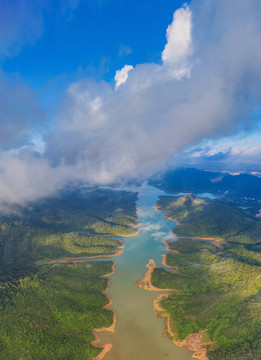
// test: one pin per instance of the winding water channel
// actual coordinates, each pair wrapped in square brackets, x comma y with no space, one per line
[139,332]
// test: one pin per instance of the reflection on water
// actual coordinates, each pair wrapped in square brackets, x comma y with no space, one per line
[139,331]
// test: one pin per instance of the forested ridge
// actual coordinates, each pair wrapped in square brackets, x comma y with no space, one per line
[49,311]
[221,285]
[194,180]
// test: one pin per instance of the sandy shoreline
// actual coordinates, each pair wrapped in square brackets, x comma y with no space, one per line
[156,208]
[164,262]
[145,282]
[169,218]
[79,259]
[168,248]
[135,226]
[136,233]
[106,347]
[121,235]
[109,274]
[75,260]
[213,240]
[193,342]
[122,246]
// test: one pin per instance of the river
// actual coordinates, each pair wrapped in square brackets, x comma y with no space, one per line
[139,332]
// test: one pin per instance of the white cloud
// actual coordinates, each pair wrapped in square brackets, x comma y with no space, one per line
[242,149]
[170,237]
[145,211]
[122,75]
[179,37]
[247,149]
[159,235]
[150,226]
[113,135]
[179,43]
[107,135]
[26,178]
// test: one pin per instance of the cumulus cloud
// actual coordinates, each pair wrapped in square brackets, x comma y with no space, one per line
[132,131]
[121,76]
[179,43]
[208,81]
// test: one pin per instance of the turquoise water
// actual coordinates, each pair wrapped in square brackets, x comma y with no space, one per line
[139,332]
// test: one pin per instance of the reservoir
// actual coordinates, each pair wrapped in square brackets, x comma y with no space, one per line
[139,332]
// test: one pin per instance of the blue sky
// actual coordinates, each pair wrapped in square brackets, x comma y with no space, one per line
[104,91]
[85,38]
[93,39]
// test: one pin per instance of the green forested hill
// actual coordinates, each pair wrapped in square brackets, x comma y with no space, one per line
[221,286]
[70,224]
[220,293]
[51,314]
[49,311]
[208,218]
[194,180]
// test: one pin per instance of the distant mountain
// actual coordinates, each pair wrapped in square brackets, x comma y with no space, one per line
[194,180]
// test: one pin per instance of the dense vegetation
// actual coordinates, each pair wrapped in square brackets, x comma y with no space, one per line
[68,225]
[220,287]
[49,311]
[51,315]
[206,218]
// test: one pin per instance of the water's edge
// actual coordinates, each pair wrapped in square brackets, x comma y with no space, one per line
[139,332]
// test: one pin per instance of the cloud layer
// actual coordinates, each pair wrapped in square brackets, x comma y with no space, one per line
[163,108]
[209,81]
